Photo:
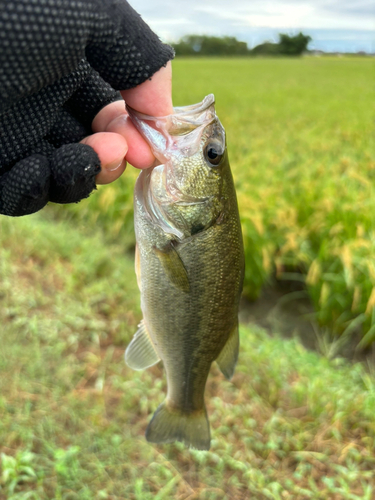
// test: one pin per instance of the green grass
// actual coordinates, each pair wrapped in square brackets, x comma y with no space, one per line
[291,424]
[300,139]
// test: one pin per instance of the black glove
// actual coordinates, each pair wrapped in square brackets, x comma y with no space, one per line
[50,91]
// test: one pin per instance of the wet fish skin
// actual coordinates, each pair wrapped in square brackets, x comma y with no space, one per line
[190,266]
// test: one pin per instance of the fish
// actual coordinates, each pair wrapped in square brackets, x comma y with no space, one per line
[189,264]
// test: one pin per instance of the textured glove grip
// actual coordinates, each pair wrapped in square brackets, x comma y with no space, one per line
[50,91]
[67,177]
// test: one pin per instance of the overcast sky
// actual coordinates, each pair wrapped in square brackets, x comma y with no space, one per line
[334,25]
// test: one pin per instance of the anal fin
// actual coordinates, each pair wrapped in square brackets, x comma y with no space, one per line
[228,356]
[140,353]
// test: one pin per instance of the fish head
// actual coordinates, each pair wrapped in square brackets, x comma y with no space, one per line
[184,194]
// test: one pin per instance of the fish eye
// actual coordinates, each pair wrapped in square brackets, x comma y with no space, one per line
[213,154]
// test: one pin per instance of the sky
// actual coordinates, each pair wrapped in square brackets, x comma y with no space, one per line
[334,25]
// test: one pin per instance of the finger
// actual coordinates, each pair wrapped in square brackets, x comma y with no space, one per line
[139,153]
[66,130]
[74,168]
[154,96]
[106,115]
[111,149]
[25,188]
[113,118]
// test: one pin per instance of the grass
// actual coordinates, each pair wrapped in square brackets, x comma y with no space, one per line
[300,140]
[291,424]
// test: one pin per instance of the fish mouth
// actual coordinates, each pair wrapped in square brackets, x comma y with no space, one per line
[180,130]
[177,123]
[172,138]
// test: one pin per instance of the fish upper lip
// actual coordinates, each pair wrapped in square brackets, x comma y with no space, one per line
[180,110]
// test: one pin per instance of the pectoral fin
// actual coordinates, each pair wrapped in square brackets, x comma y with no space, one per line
[174,267]
[227,359]
[140,353]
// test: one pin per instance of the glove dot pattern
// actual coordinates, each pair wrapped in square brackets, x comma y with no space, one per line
[50,91]
[74,167]
[24,190]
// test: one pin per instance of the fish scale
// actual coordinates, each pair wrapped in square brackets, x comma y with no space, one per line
[190,279]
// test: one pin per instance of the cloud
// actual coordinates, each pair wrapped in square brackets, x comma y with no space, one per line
[249,21]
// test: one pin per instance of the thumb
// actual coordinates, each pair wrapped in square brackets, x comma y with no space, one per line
[154,96]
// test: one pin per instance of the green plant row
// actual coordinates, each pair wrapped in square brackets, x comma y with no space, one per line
[301,148]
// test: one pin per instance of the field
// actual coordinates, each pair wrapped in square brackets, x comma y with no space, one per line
[293,424]
[301,145]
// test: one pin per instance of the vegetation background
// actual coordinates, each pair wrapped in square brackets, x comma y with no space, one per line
[293,423]
[203,45]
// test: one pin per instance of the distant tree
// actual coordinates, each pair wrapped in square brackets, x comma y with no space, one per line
[204,45]
[287,46]
[293,45]
[266,48]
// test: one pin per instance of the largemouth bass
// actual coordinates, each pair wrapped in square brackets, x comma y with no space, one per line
[189,265]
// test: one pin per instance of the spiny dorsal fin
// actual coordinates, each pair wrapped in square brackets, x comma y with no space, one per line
[140,353]
[174,267]
[227,359]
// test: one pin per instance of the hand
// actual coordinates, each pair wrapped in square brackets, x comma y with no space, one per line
[57,90]
[116,140]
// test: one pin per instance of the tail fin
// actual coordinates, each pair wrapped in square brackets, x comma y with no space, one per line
[168,425]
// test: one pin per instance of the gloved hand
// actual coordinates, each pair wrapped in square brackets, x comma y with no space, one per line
[60,62]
